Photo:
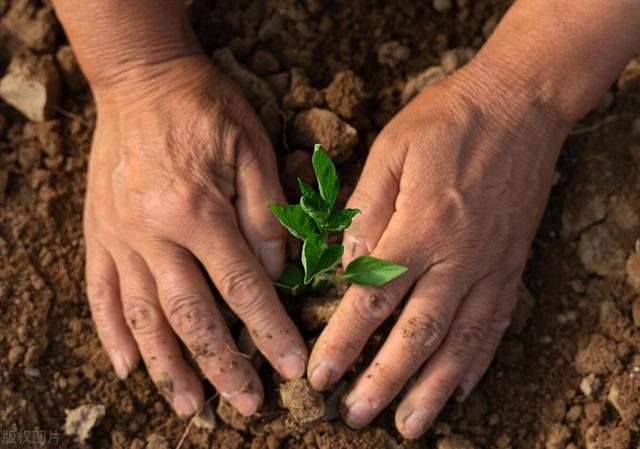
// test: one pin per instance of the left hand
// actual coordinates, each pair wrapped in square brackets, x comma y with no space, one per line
[454,188]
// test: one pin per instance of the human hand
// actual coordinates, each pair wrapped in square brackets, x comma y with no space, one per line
[180,173]
[454,188]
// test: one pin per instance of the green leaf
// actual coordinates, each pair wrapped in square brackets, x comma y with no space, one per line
[317,258]
[371,271]
[294,218]
[292,280]
[316,210]
[309,191]
[328,183]
[341,219]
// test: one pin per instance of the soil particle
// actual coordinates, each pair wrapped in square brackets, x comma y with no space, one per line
[29,26]
[590,384]
[455,442]
[418,82]
[317,311]
[306,405]
[451,60]
[81,420]
[607,437]
[233,418]
[325,127]
[632,270]
[624,395]
[598,356]
[345,94]
[157,441]
[70,70]
[301,94]
[600,252]
[558,436]
[264,62]
[206,419]
[393,53]
[32,86]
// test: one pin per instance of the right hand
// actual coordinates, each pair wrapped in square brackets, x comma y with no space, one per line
[180,174]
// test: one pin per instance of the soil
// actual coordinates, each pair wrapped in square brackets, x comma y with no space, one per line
[567,375]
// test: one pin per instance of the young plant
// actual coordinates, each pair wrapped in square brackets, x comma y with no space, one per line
[311,221]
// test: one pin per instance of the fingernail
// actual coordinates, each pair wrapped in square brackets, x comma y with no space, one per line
[184,405]
[415,424]
[321,376]
[121,365]
[271,256]
[357,414]
[245,403]
[291,366]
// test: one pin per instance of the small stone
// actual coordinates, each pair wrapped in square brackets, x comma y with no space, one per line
[392,53]
[324,127]
[32,86]
[70,70]
[624,395]
[590,384]
[601,253]
[632,270]
[418,82]
[345,93]
[441,5]
[157,441]
[306,405]
[206,419]
[81,420]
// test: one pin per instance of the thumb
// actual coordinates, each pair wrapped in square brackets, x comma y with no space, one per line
[258,185]
[375,196]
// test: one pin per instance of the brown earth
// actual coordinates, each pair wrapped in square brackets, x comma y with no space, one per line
[567,376]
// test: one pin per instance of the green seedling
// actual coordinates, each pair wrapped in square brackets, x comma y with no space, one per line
[311,221]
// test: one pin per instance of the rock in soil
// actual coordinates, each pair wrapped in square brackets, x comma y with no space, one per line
[600,252]
[206,419]
[81,420]
[301,95]
[306,405]
[598,356]
[323,126]
[345,94]
[157,441]
[624,395]
[558,436]
[32,86]
[418,82]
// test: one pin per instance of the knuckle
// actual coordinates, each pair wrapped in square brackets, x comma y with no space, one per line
[100,290]
[241,290]
[466,338]
[423,333]
[142,314]
[186,313]
[388,379]
[374,305]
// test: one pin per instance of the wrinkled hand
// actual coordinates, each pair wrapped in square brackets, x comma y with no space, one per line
[454,188]
[180,173]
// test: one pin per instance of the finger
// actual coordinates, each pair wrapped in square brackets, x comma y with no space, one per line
[444,370]
[106,309]
[158,344]
[258,185]
[189,307]
[375,196]
[497,327]
[248,291]
[363,309]
[418,332]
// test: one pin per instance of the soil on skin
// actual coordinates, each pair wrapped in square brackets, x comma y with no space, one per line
[566,376]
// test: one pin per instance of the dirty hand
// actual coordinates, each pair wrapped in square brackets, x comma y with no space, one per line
[453,188]
[180,174]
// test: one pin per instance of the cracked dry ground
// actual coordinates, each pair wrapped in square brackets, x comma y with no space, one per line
[566,376]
